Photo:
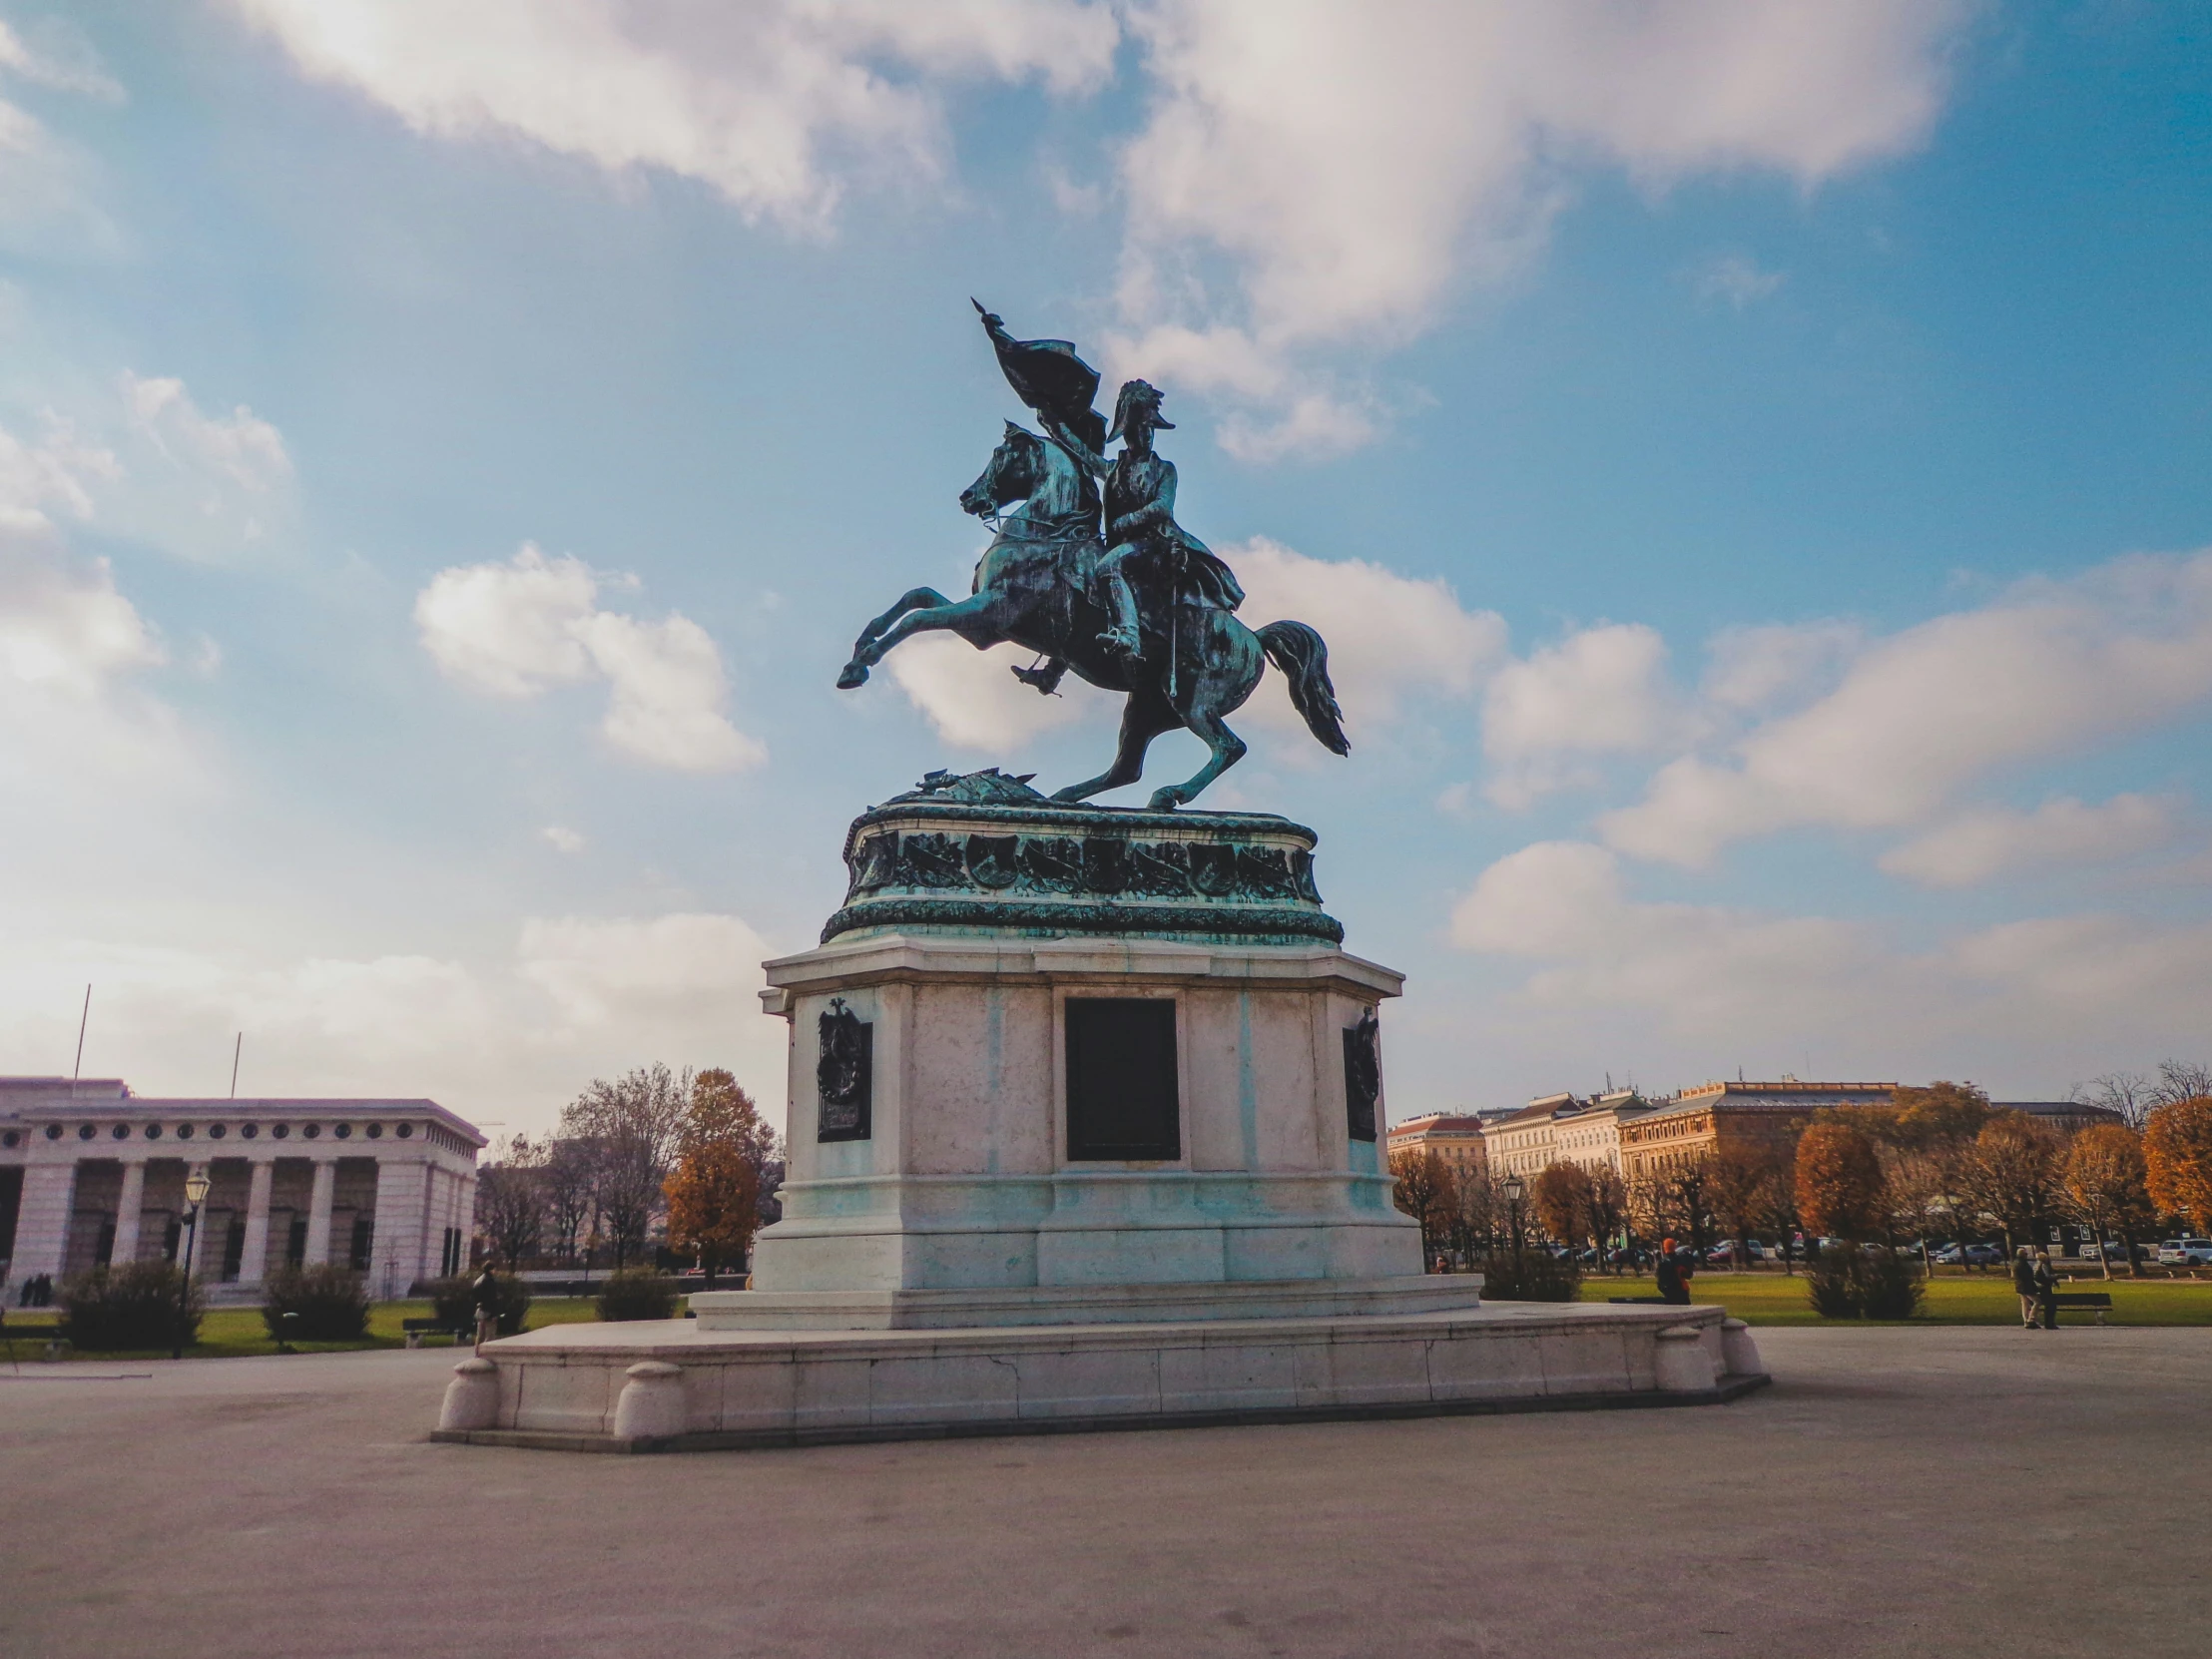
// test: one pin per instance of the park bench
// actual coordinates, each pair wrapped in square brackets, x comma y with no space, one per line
[2101,1301]
[415,1330]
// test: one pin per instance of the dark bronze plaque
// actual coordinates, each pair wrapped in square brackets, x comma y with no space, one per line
[844,1074]
[1362,1075]
[1122,1099]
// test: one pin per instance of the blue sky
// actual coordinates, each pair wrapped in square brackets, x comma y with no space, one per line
[1749,462]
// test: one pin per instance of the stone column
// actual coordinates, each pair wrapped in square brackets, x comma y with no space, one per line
[254,1261]
[319,1212]
[42,1224]
[126,1210]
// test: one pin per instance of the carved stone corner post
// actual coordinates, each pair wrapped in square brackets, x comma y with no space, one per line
[844,1074]
[1684,1365]
[1362,1075]
[651,1404]
[472,1397]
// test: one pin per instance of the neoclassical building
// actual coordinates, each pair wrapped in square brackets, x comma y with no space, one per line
[92,1174]
[1562,1129]
[1454,1138]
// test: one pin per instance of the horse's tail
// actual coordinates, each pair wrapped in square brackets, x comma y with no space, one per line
[1299,652]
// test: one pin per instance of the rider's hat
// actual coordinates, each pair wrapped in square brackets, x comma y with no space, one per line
[1134,392]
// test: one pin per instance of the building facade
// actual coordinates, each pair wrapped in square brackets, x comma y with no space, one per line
[91,1174]
[1456,1139]
[1562,1129]
[1720,1117]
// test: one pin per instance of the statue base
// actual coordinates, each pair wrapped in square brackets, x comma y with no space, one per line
[1084,1128]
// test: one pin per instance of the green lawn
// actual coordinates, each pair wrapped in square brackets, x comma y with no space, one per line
[228,1332]
[1976,1299]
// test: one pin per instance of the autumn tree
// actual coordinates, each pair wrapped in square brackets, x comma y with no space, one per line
[2177,1154]
[2108,1182]
[1839,1181]
[1423,1191]
[1475,1212]
[1677,1200]
[2012,1174]
[714,1204]
[1561,1195]
[1942,1114]
[1738,1179]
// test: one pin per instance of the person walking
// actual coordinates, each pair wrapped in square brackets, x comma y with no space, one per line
[487,1306]
[2046,1291]
[2023,1281]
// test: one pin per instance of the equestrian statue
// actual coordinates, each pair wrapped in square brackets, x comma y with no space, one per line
[1145,608]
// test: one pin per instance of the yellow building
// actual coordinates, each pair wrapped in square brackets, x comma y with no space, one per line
[1456,1140]
[1718,1117]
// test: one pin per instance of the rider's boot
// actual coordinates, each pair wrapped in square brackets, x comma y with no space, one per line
[1122,638]
[1045,677]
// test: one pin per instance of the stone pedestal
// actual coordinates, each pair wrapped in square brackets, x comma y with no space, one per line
[1084,1128]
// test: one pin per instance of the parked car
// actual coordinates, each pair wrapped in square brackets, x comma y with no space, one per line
[1972,1255]
[2185,1253]
[1724,1250]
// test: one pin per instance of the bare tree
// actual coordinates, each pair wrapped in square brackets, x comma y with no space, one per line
[510,1201]
[2180,1081]
[1608,1211]
[565,1183]
[634,1126]
[2013,1175]
[2130,1093]
[1423,1191]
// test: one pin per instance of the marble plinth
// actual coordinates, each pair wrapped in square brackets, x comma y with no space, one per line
[942,1310]
[673,1385]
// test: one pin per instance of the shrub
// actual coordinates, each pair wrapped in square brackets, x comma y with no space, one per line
[133,1306]
[1847,1283]
[1533,1276]
[638,1294]
[331,1303]
[453,1301]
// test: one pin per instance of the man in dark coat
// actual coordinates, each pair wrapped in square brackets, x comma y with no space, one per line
[2023,1281]
[2046,1290]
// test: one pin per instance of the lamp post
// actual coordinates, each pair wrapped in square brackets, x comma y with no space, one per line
[196,1194]
[1515,1189]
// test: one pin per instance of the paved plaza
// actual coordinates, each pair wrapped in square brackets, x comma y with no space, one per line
[1944,1491]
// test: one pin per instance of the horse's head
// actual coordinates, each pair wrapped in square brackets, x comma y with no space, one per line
[1015,470]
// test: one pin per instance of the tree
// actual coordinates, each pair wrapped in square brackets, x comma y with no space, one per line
[714,1200]
[633,1127]
[1423,1191]
[1561,1193]
[1941,1114]
[2129,1093]
[1474,1214]
[1839,1181]
[1739,1177]
[2108,1181]
[2013,1173]
[2177,1153]
[2180,1081]
[565,1182]
[1676,1200]
[721,1110]
[510,1202]
[1608,1208]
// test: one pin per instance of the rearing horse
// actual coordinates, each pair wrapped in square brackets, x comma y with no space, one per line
[1032,586]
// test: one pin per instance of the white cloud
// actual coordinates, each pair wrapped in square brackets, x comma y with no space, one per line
[972,698]
[1988,841]
[563,840]
[696,967]
[1352,162]
[238,446]
[64,629]
[1737,281]
[48,186]
[1754,670]
[60,471]
[1392,639]
[1725,981]
[518,628]
[53,52]
[1601,691]
[770,104]
[2044,671]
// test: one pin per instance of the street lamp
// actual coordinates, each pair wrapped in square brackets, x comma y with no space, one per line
[1515,1189]
[196,1194]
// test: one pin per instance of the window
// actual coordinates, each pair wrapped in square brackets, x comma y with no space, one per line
[1122,1095]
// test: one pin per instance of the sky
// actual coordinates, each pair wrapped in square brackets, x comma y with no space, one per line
[1749,462]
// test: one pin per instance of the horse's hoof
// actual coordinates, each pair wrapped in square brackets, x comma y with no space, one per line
[1165,800]
[854,674]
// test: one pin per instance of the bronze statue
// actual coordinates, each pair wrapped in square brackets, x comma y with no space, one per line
[1150,613]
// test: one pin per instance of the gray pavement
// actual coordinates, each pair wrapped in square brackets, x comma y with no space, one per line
[1948,1491]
